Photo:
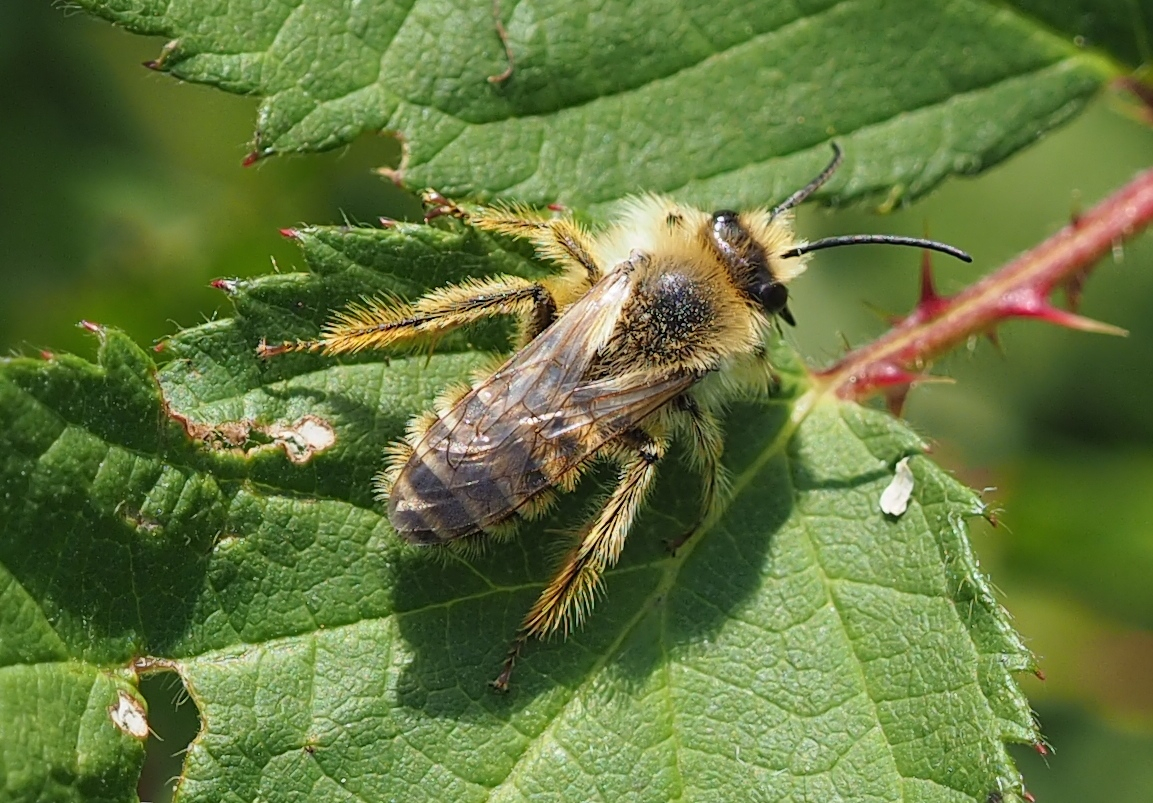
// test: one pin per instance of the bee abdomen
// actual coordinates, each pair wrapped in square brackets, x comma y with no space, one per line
[424,510]
[451,490]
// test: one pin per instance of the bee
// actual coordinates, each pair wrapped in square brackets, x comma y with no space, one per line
[642,335]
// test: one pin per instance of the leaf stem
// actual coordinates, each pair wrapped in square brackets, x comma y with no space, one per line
[1021,289]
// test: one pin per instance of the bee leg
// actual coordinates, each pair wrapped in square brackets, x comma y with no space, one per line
[706,442]
[436,205]
[376,324]
[453,306]
[570,593]
[557,238]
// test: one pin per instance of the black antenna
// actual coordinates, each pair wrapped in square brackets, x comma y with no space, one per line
[884,239]
[804,192]
[853,239]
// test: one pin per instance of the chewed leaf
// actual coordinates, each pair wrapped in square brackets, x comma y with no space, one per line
[728,103]
[805,643]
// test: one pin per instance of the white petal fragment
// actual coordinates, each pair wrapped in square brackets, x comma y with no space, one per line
[895,498]
[129,716]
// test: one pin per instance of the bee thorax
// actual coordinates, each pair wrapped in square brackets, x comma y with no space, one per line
[669,315]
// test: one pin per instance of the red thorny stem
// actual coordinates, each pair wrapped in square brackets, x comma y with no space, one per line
[1021,289]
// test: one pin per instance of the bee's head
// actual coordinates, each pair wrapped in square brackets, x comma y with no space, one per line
[748,263]
[761,271]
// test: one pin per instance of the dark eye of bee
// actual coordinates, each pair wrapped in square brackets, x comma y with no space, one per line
[748,264]
[773,297]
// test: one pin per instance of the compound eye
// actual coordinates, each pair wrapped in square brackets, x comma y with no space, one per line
[773,297]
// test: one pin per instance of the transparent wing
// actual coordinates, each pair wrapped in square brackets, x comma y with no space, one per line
[534,419]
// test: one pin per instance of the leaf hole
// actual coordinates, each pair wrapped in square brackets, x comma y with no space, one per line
[174,720]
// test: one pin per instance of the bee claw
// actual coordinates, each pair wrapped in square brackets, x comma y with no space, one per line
[673,544]
[436,205]
[500,684]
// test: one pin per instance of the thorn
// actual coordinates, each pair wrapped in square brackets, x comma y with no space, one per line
[148,663]
[160,347]
[387,223]
[885,375]
[930,303]
[888,375]
[1030,304]
[1073,286]
[895,399]
[391,174]
[227,285]
[1039,674]
[254,157]
[1028,797]
[556,207]
[290,234]
[91,327]
[1067,319]
[45,354]
[1075,210]
[890,318]
[1041,748]
[928,291]
[995,339]
[396,174]
[165,53]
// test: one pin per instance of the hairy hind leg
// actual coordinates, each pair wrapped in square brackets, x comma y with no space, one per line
[378,323]
[569,595]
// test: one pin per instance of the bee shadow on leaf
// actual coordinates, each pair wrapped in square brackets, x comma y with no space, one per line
[459,614]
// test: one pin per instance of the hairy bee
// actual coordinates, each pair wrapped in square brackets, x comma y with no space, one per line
[643,334]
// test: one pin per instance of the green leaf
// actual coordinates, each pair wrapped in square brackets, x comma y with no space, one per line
[730,103]
[804,647]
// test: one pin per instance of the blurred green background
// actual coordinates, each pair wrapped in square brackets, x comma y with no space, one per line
[122,197]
